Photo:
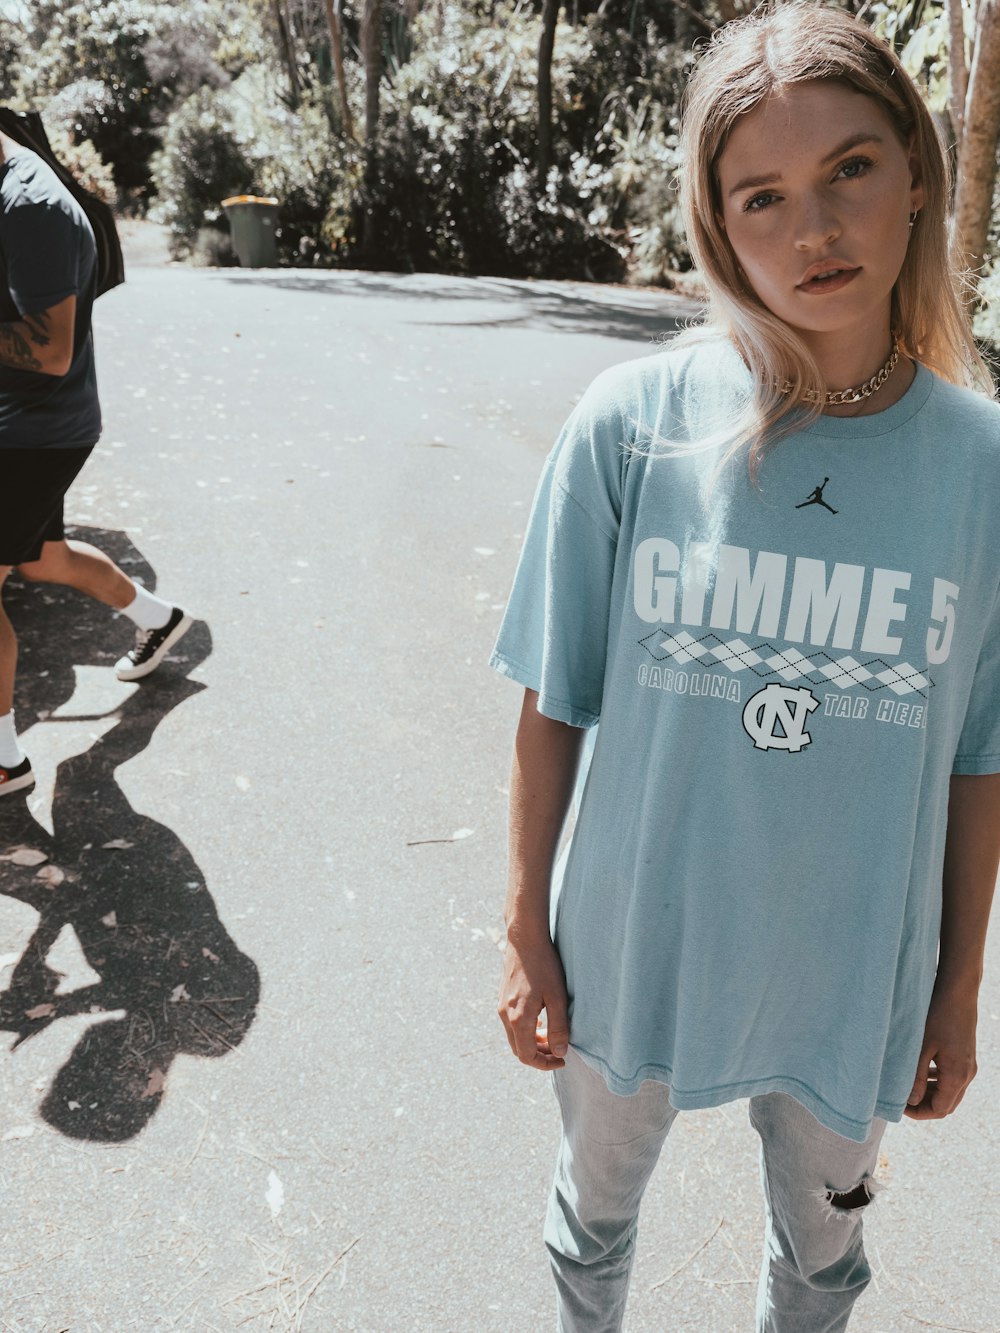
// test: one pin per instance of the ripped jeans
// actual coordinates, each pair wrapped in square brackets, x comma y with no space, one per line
[816,1185]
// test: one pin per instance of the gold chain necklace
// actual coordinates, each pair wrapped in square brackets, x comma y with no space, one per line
[857,395]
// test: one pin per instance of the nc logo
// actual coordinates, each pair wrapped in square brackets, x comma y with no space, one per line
[775,718]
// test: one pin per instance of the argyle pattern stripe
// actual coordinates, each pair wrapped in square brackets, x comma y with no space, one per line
[764,660]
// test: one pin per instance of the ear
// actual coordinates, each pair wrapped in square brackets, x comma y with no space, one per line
[916,176]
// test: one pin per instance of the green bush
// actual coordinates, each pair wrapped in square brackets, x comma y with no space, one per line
[201,163]
[302,159]
[986,321]
[84,163]
[455,188]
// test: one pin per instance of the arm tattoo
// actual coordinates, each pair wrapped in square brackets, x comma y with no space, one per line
[15,349]
[38,328]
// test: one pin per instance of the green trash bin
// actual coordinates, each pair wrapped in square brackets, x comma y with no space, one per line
[252,221]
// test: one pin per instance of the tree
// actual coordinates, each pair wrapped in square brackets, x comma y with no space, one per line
[371,50]
[975,112]
[546,47]
[337,51]
[286,42]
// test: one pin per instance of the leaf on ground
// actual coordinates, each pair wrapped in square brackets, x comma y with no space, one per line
[275,1194]
[243,783]
[40,1011]
[461,833]
[25,856]
[179,993]
[51,875]
[157,1082]
[207,953]
[110,920]
[117,845]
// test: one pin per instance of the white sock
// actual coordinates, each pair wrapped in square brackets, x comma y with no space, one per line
[147,611]
[11,753]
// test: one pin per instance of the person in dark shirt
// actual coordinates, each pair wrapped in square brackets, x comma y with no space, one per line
[50,421]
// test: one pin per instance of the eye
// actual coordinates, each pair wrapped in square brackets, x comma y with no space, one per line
[758,203]
[855,167]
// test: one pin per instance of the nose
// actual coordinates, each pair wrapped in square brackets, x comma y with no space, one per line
[816,223]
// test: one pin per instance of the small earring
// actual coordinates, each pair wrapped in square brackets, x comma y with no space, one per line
[913,218]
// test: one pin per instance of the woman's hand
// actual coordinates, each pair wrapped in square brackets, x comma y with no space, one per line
[947,1062]
[533,980]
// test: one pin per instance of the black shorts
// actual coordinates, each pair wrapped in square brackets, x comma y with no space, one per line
[33,483]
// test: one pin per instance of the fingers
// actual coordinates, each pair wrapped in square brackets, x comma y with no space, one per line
[533,981]
[557,1023]
[919,1090]
[532,1041]
[938,1091]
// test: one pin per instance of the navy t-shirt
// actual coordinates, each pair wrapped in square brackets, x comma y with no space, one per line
[47,253]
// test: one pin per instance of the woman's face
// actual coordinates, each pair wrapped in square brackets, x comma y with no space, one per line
[816,193]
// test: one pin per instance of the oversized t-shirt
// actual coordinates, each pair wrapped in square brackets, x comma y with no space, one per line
[47,253]
[785,677]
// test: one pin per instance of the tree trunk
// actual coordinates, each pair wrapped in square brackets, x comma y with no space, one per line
[977,164]
[337,51]
[958,73]
[546,46]
[371,49]
[288,53]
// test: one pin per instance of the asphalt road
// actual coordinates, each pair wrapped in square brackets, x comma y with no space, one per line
[254,1077]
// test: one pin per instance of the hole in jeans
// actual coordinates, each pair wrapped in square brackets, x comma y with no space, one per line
[855,1198]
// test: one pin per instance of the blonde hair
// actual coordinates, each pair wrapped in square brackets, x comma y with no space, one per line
[747,61]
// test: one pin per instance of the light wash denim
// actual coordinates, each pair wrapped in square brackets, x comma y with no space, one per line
[816,1184]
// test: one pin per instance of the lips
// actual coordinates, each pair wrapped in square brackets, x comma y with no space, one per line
[826,271]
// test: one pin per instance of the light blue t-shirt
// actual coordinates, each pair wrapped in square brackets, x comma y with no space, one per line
[785,678]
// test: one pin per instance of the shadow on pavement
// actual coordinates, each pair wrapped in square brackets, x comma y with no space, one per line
[171,980]
[615,313]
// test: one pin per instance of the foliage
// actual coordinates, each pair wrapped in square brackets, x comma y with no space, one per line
[986,319]
[201,163]
[190,103]
[116,70]
[456,187]
[238,141]
[10,53]
[84,162]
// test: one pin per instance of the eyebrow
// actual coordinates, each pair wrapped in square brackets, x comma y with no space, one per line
[852,141]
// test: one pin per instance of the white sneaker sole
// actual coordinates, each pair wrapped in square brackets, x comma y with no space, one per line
[124,670]
[17,784]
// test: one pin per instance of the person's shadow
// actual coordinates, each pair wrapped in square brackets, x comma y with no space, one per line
[140,908]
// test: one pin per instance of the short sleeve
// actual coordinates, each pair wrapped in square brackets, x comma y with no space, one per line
[554,633]
[41,249]
[979,744]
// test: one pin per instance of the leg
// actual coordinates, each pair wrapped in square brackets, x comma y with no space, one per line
[81,566]
[8,652]
[817,1185]
[608,1150]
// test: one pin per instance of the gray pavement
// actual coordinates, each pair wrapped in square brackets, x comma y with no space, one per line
[262,1084]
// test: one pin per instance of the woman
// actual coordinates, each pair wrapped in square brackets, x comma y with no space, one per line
[766,560]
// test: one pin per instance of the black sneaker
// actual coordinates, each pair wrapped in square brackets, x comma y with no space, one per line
[16,779]
[152,646]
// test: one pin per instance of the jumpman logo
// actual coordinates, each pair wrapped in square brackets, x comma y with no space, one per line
[817,499]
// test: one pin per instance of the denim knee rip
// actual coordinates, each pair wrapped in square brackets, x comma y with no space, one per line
[834,1202]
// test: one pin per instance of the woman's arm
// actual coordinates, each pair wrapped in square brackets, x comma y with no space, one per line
[546,754]
[972,851]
